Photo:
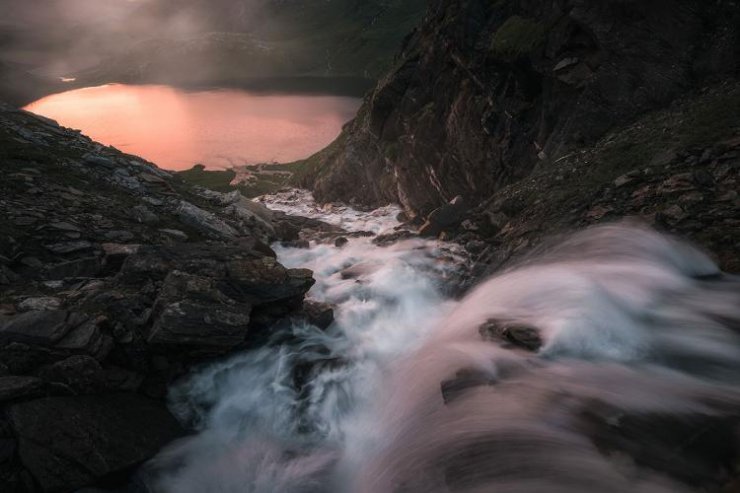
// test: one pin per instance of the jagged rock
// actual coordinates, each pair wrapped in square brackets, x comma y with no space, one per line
[69,442]
[319,314]
[448,216]
[204,221]
[191,310]
[265,280]
[486,123]
[100,161]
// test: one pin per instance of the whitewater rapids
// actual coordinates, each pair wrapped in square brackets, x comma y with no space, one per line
[636,386]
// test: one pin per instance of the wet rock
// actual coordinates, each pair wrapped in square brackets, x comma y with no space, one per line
[318,313]
[69,442]
[296,244]
[394,237]
[693,448]
[340,242]
[358,270]
[519,335]
[444,217]
[463,381]
[265,280]
[475,246]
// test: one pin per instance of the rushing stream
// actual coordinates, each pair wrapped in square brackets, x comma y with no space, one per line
[636,386]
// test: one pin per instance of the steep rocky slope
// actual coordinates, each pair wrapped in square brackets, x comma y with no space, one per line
[115,278]
[487,92]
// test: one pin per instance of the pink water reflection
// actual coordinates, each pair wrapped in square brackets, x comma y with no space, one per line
[177,129]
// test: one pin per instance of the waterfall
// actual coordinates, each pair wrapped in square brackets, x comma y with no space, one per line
[608,362]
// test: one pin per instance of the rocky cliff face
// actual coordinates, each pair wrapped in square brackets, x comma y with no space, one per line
[486,92]
[116,278]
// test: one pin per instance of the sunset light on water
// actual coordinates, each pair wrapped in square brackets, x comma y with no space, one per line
[218,128]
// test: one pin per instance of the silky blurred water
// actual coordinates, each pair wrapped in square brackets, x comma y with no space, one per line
[640,365]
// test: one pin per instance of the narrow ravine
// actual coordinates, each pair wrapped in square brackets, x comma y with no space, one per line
[543,378]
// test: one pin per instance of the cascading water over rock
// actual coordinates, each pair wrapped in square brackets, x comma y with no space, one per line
[608,362]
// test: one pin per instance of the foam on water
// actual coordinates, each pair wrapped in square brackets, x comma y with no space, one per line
[640,345]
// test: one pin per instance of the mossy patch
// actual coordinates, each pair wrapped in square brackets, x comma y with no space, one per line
[219,181]
[517,37]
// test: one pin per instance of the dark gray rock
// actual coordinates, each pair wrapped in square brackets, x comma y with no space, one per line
[16,387]
[70,442]
[80,268]
[318,313]
[36,327]
[81,374]
[191,310]
[517,334]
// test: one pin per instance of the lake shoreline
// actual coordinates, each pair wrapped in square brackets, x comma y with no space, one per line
[218,127]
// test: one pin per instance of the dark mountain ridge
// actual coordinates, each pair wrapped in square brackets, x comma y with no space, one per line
[486,92]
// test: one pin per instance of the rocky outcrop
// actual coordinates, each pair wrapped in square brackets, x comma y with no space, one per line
[486,92]
[115,279]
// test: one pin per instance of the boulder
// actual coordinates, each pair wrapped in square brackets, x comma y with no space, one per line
[318,313]
[191,310]
[518,334]
[42,327]
[265,280]
[70,442]
[448,216]
[204,221]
